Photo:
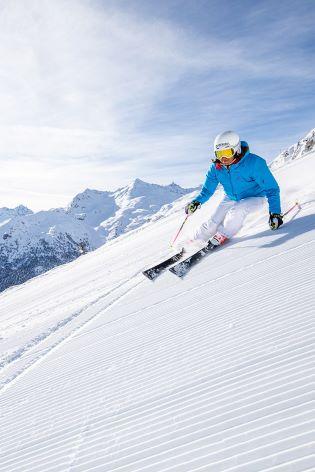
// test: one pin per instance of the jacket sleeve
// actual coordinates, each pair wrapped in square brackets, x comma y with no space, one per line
[268,183]
[209,186]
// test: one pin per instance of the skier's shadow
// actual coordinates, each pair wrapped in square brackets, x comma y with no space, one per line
[286,232]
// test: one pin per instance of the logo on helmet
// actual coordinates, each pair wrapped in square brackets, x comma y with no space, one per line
[222,145]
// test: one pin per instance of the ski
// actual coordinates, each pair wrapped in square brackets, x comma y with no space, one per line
[183,267]
[153,272]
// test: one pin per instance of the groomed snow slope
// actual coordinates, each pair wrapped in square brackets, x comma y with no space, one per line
[211,373]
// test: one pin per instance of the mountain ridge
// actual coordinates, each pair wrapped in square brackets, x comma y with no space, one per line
[296,151]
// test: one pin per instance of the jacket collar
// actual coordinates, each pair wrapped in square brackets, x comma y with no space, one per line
[243,158]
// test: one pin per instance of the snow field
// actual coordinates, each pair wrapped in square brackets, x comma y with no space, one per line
[211,373]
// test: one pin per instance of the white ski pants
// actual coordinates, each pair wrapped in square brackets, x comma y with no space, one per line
[228,218]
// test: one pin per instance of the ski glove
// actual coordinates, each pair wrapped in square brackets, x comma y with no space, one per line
[275,220]
[192,207]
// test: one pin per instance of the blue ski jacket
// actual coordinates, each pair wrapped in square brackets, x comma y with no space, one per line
[249,177]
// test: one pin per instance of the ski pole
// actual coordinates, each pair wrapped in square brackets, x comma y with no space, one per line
[290,209]
[178,232]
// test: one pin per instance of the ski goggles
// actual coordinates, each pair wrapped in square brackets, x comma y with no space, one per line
[224,153]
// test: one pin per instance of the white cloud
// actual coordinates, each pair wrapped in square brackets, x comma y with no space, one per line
[77,85]
[67,65]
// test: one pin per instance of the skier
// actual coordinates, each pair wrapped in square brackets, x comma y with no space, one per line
[246,180]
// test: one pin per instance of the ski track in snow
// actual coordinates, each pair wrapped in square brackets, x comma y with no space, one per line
[214,372]
[97,306]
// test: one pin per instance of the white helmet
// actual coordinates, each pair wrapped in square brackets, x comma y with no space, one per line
[227,145]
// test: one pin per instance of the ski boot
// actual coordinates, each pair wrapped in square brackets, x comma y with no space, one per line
[218,239]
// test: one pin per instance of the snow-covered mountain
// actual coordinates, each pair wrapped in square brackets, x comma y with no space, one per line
[35,243]
[114,213]
[296,151]
[7,214]
[32,243]
[104,371]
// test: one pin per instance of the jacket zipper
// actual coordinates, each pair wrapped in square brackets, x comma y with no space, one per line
[228,169]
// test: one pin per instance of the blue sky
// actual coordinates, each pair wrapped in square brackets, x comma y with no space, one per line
[96,93]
